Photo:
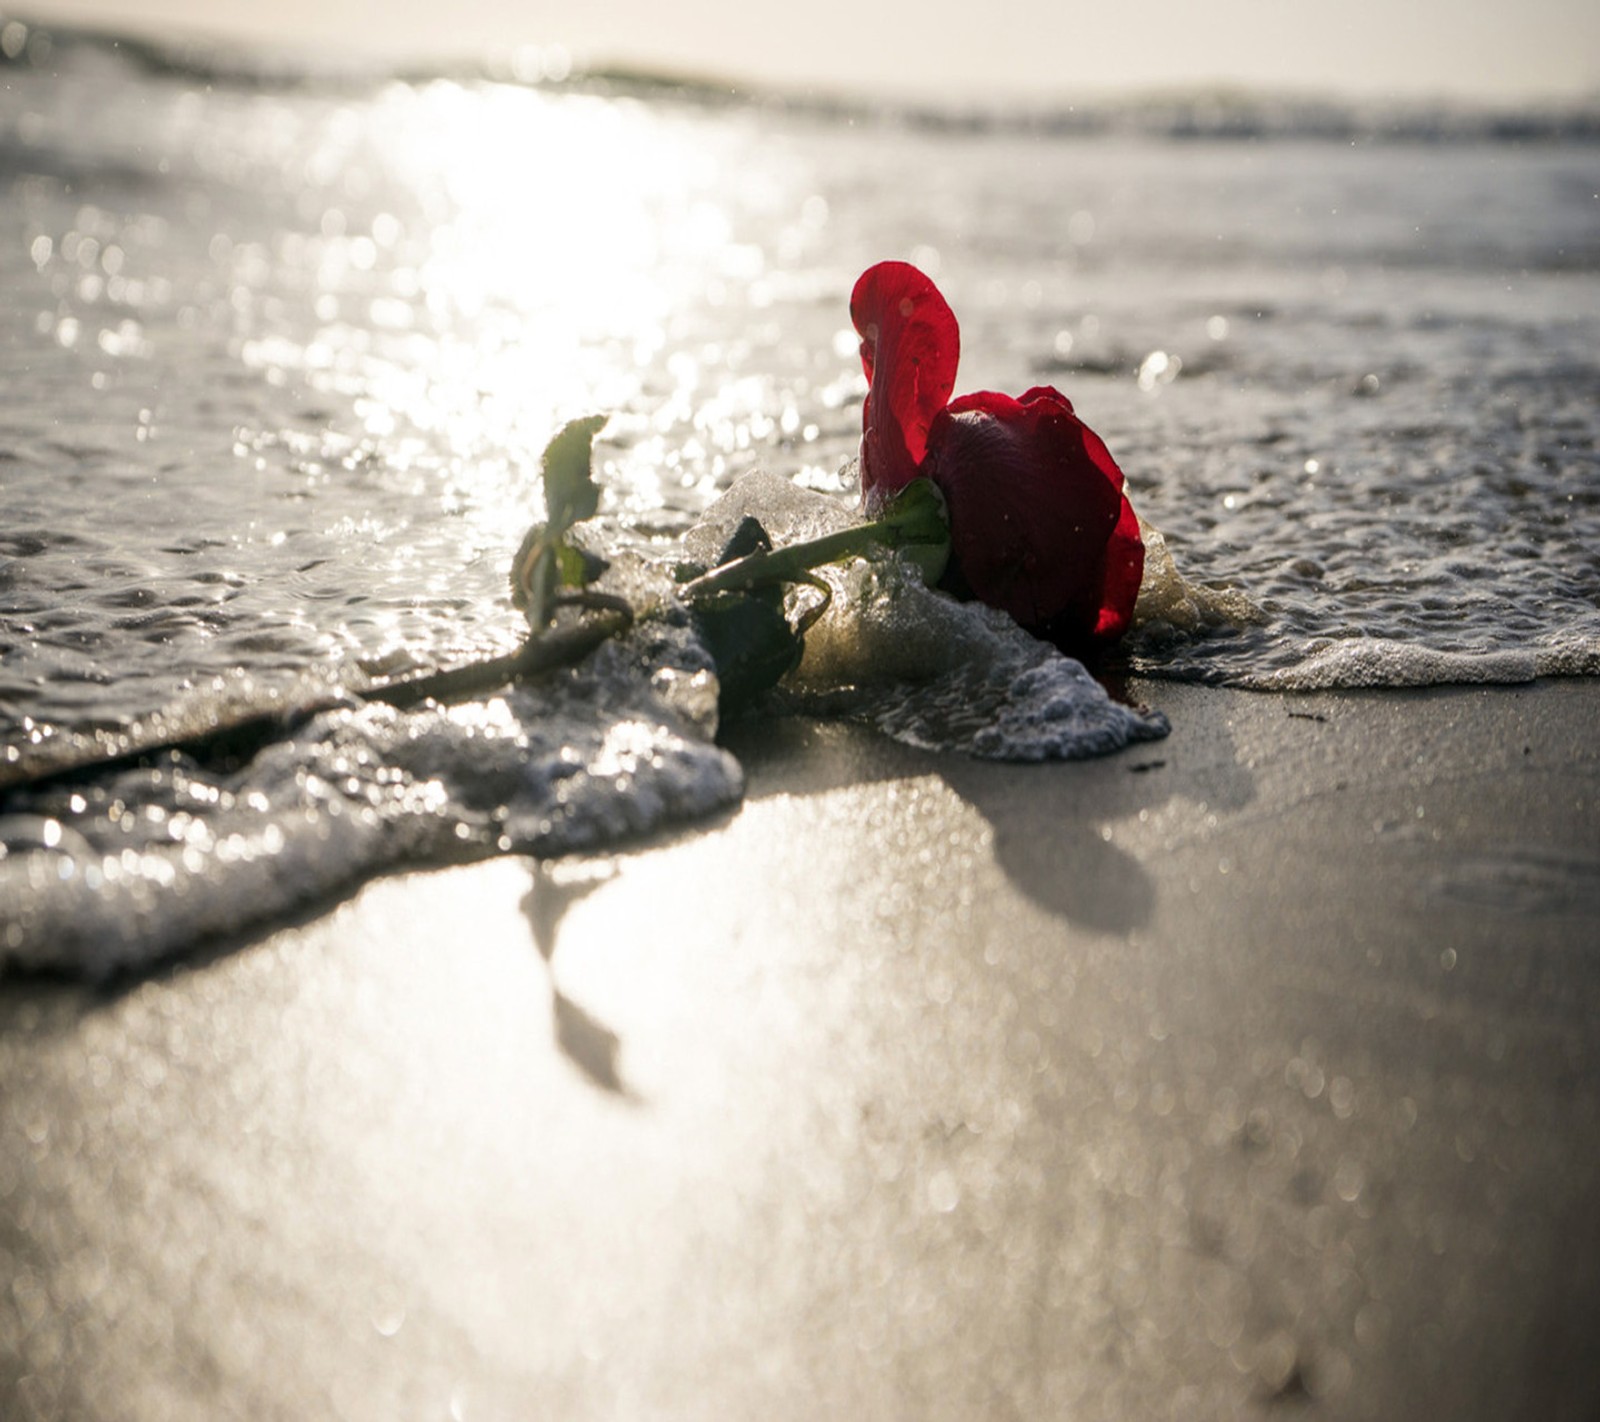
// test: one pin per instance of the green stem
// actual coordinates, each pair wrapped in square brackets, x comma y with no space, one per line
[541,652]
[787,564]
[916,517]
[236,736]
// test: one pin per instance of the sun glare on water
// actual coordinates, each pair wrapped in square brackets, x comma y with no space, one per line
[494,261]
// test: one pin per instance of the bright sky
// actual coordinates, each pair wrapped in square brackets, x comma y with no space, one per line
[1497,49]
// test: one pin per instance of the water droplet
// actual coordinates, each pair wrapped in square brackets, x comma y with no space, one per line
[943,1192]
[1342,1097]
[1157,369]
[1349,1179]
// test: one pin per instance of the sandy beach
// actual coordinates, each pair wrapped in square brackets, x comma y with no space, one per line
[1247,1073]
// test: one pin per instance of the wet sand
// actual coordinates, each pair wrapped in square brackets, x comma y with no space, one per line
[1249,1072]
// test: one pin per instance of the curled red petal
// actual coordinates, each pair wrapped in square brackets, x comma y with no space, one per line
[1096,449]
[1124,566]
[1049,392]
[1124,570]
[910,346]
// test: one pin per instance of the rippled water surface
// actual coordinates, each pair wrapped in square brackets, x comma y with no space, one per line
[280,358]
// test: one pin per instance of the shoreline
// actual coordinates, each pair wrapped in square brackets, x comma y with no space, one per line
[1253,1064]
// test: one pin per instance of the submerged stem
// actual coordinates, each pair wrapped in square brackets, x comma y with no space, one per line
[234,738]
[543,651]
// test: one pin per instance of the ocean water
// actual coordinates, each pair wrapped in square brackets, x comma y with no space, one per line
[281,348]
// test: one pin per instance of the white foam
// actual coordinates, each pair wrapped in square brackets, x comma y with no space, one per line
[593,757]
[1372,662]
[922,667]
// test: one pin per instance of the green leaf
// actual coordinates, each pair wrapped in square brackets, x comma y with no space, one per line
[577,567]
[570,492]
[752,643]
[546,561]
[533,575]
[749,537]
[748,633]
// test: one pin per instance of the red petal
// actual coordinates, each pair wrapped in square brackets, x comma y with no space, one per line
[1098,452]
[1124,571]
[1046,392]
[910,346]
[1036,514]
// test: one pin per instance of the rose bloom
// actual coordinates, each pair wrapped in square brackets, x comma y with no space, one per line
[1039,525]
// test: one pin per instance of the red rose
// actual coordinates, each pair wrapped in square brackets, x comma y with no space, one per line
[1039,525]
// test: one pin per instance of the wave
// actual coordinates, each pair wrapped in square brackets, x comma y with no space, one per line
[1215,114]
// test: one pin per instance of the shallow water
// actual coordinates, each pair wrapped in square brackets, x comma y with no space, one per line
[280,358]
